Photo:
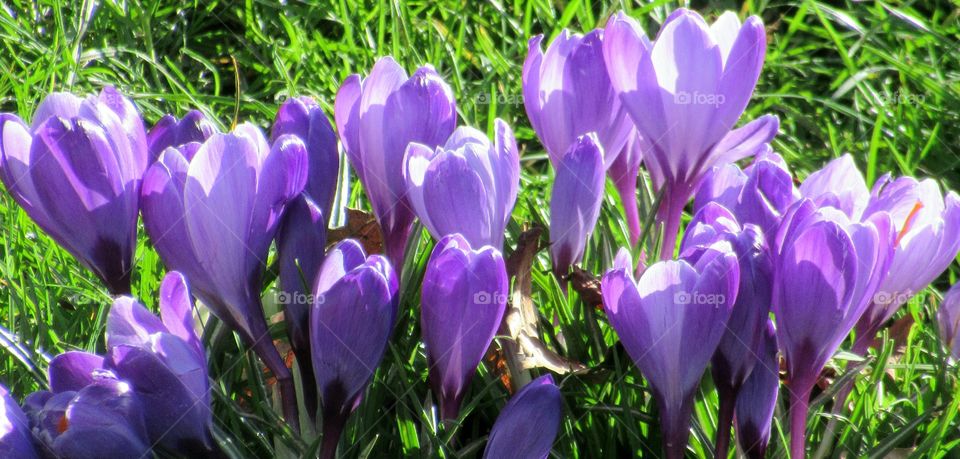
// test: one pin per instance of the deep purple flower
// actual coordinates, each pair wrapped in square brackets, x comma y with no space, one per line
[377,117]
[15,437]
[948,317]
[567,94]
[213,216]
[758,397]
[303,117]
[171,132]
[463,300]
[928,239]
[734,359]
[575,201]
[670,321]
[624,172]
[350,324]
[467,186]
[827,269]
[76,171]
[685,92]
[528,425]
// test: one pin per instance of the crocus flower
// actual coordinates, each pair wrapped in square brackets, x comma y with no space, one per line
[105,418]
[758,397]
[76,171]
[212,217]
[173,132]
[164,362]
[948,317]
[827,269]
[528,425]
[839,184]
[350,324]
[303,117]
[734,359]
[15,437]
[685,92]
[670,322]
[624,172]
[928,240]
[567,94]
[575,201]
[463,300]
[377,118]
[467,186]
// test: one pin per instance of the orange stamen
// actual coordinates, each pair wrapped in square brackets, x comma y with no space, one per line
[909,221]
[63,424]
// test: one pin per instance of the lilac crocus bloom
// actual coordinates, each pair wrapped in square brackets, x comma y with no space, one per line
[528,425]
[734,359]
[467,186]
[839,184]
[350,324]
[76,171]
[377,117]
[670,321]
[758,397]
[827,269]
[303,117]
[948,318]
[463,300]
[164,362]
[928,239]
[212,215]
[575,201]
[15,437]
[685,92]
[173,132]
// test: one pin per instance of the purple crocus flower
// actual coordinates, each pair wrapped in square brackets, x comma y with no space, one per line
[575,201]
[670,322]
[303,117]
[212,215]
[685,92]
[467,186]
[173,132]
[827,269]
[350,324]
[528,425]
[76,171]
[928,240]
[377,118]
[758,397]
[839,184]
[15,437]
[948,317]
[463,300]
[624,172]
[165,364]
[733,361]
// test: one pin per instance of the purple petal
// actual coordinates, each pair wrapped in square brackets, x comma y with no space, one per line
[56,104]
[105,419]
[575,201]
[839,177]
[758,397]
[741,69]
[305,119]
[73,370]
[15,437]
[171,132]
[528,425]
[176,310]
[130,323]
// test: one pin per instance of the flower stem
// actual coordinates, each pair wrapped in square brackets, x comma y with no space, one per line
[728,402]
[799,408]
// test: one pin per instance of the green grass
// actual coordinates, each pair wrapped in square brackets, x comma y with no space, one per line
[880,80]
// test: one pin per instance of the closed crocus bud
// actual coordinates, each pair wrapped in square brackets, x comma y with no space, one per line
[575,201]
[350,324]
[928,239]
[377,117]
[528,425]
[463,300]
[103,419]
[733,361]
[303,117]
[759,194]
[467,186]
[76,171]
[839,184]
[685,92]
[948,317]
[624,172]
[827,270]
[172,132]
[675,309]
[567,94]
[15,437]
[165,365]
[758,397]
[213,217]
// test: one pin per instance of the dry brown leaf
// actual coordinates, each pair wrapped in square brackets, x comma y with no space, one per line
[361,226]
